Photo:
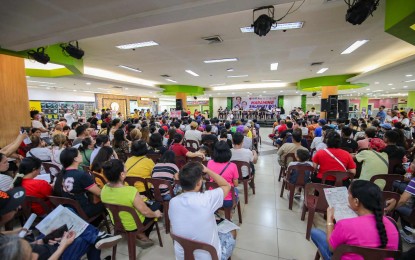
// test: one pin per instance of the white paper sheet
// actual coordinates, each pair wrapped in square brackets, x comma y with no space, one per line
[337,198]
[60,216]
[226,226]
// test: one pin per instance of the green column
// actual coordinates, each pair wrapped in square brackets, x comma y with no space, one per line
[210,107]
[411,99]
[280,101]
[364,102]
[304,102]
[229,102]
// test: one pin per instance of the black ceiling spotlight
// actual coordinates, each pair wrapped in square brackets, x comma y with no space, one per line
[314,94]
[73,51]
[359,10]
[39,55]
[195,97]
[262,25]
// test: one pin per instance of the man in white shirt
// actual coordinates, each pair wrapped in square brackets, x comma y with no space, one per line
[193,134]
[69,116]
[192,212]
[242,154]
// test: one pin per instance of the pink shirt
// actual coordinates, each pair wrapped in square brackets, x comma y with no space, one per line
[230,174]
[362,231]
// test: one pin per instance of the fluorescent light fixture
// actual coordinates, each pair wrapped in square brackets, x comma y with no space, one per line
[100,73]
[405,86]
[354,46]
[390,84]
[251,86]
[218,84]
[368,89]
[322,70]
[408,75]
[126,89]
[220,60]
[192,73]
[281,90]
[237,76]
[379,90]
[376,82]
[270,80]
[171,80]
[412,80]
[74,90]
[277,27]
[129,68]
[41,82]
[274,66]
[230,70]
[88,83]
[393,88]
[137,45]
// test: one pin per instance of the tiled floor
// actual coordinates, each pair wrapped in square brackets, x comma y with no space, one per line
[269,230]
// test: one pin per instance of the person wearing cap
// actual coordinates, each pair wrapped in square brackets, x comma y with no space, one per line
[374,161]
[318,131]
[193,134]
[383,128]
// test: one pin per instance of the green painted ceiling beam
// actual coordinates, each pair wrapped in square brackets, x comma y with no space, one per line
[188,89]
[400,19]
[316,83]
[72,66]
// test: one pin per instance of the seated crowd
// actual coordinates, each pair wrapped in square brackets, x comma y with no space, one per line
[114,165]
[370,158]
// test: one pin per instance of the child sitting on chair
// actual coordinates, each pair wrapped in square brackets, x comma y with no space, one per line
[303,158]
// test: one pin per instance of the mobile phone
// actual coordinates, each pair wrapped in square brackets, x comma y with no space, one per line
[24,129]
[57,233]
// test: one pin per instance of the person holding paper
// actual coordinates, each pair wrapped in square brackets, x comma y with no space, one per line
[365,198]
[68,247]
[192,212]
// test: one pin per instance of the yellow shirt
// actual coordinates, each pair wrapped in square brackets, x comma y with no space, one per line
[148,114]
[139,166]
[249,134]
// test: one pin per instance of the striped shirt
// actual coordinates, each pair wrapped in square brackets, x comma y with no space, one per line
[164,171]
[410,188]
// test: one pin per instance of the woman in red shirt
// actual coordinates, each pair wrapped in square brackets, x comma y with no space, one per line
[333,159]
[30,168]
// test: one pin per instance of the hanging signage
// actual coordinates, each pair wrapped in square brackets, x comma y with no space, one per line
[254,103]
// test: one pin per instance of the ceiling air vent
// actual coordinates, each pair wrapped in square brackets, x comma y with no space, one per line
[213,39]
[317,63]
[165,76]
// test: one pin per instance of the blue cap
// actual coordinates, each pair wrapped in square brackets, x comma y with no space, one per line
[322,121]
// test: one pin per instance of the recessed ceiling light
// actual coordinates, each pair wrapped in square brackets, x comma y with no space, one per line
[233,93]
[277,27]
[270,80]
[377,82]
[281,90]
[220,60]
[393,88]
[390,84]
[412,80]
[322,70]
[129,68]
[126,88]
[88,83]
[48,88]
[218,84]
[230,70]
[296,92]
[237,76]
[150,92]
[368,89]
[274,66]
[405,86]
[409,75]
[210,95]
[192,73]
[354,46]
[264,91]
[137,45]
[171,80]
[74,90]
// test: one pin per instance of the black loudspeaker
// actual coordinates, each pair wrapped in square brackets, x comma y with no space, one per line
[332,102]
[343,116]
[179,104]
[343,105]
[332,115]
[324,105]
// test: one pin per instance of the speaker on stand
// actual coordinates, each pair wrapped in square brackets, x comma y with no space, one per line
[332,107]
[343,107]
[179,104]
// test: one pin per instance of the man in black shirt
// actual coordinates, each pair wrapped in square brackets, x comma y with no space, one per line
[348,142]
[93,120]
[395,153]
